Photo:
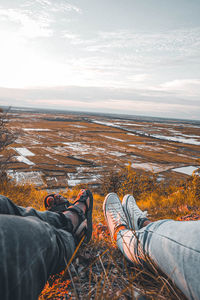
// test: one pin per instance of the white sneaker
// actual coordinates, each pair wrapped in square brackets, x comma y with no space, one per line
[132,211]
[114,213]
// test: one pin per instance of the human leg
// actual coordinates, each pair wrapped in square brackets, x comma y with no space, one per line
[60,220]
[8,207]
[172,246]
[30,250]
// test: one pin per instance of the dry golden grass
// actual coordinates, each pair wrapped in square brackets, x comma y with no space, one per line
[24,195]
[99,271]
[173,200]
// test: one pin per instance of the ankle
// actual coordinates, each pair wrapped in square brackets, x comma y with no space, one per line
[147,222]
[73,218]
[142,222]
[82,206]
[121,227]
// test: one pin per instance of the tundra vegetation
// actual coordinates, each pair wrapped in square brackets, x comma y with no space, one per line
[99,271]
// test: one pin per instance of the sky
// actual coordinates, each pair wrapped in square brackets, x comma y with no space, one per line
[138,57]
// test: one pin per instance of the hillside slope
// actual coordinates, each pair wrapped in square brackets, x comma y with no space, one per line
[99,271]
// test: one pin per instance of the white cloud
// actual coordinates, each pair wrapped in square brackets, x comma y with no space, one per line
[148,106]
[175,41]
[133,58]
[181,84]
[182,87]
[42,47]
[58,6]
[139,77]
[36,18]
[102,99]
[23,61]
[73,38]
[29,24]
[124,106]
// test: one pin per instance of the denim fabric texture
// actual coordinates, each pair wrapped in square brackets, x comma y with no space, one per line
[172,246]
[33,246]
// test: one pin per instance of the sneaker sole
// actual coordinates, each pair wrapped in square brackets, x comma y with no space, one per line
[104,209]
[124,205]
[89,218]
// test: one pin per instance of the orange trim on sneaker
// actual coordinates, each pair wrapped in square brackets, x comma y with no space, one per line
[120,227]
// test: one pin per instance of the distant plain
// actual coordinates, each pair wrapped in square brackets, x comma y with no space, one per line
[55,150]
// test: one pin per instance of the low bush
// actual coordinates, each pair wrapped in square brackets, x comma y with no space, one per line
[100,271]
[167,198]
[23,195]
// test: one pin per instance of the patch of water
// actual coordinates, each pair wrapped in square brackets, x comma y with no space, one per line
[24,152]
[183,155]
[36,129]
[160,178]
[35,142]
[75,178]
[130,124]
[19,141]
[78,147]
[113,138]
[190,141]
[187,170]
[25,160]
[57,150]
[178,133]
[99,149]
[116,153]
[73,182]
[82,169]
[152,148]
[150,167]
[26,177]
[103,123]
[130,134]
[77,126]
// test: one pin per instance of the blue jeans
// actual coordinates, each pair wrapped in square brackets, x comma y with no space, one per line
[33,246]
[172,246]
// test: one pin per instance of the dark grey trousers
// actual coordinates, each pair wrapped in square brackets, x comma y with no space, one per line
[33,246]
